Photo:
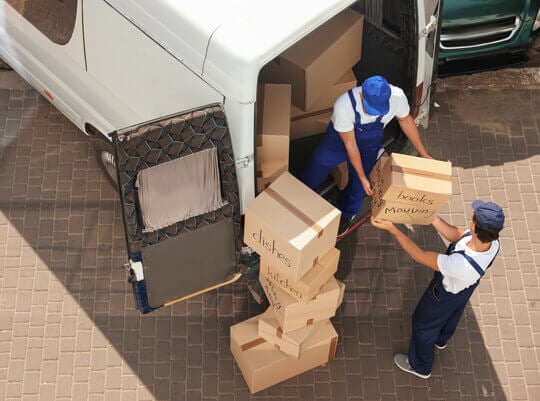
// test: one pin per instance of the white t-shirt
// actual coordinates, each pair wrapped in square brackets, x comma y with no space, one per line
[457,272]
[343,117]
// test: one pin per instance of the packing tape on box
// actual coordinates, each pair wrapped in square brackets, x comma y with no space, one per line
[279,332]
[423,173]
[294,210]
[252,344]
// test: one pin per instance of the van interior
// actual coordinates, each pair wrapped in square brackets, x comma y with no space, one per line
[297,89]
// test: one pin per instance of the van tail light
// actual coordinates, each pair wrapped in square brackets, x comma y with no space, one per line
[417,101]
[48,94]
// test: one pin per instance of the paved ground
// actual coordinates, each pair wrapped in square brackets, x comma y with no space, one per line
[69,330]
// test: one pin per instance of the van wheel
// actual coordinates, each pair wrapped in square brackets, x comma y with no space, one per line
[104,152]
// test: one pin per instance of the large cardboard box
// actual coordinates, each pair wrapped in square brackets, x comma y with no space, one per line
[293,315]
[291,343]
[328,97]
[273,129]
[408,189]
[309,124]
[315,122]
[263,365]
[305,289]
[318,61]
[290,225]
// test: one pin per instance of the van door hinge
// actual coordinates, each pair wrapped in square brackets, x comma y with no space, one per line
[244,161]
[430,27]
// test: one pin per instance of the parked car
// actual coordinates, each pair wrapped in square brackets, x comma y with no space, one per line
[473,29]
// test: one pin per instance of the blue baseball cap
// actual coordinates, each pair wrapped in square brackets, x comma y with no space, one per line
[376,95]
[489,215]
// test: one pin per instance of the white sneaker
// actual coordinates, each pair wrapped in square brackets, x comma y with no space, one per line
[402,362]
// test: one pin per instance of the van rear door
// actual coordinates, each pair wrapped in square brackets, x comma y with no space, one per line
[179,194]
[428,12]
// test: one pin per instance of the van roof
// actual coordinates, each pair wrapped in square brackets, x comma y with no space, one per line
[226,42]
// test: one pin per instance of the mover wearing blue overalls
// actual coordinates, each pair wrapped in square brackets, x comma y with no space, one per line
[457,274]
[355,135]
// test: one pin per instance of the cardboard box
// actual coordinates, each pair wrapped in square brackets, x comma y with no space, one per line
[263,365]
[329,96]
[264,182]
[340,174]
[308,286]
[290,225]
[273,128]
[316,62]
[308,124]
[315,122]
[293,315]
[408,189]
[291,343]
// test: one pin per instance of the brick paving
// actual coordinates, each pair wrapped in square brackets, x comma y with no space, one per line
[69,329]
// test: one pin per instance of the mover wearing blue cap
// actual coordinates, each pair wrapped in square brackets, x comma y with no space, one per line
[355,135]
[457,273]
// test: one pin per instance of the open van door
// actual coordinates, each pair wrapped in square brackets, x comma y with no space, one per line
[428,38]
[179,194]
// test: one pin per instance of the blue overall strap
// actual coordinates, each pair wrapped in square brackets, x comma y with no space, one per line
[356,114]
[472,263]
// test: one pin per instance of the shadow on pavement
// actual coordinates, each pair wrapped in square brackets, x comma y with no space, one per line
[54,196]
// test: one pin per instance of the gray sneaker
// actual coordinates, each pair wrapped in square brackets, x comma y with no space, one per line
[402,362]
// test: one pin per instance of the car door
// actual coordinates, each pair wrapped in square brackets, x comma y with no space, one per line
[179,194]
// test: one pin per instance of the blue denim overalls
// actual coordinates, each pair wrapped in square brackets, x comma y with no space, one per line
[331,152]
[437,315]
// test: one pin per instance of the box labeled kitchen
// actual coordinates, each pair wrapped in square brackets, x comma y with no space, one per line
[293,315]
[409,189]
[305,289]
[290,226]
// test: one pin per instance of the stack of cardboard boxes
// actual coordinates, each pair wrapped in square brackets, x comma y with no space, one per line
[409,189]
[294,232]
[318,69]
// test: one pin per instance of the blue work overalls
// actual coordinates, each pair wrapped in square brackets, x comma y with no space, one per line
[331,152]
[437,315]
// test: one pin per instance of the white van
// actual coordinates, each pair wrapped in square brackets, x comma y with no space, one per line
[167,89]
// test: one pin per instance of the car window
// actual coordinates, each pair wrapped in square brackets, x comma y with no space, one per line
[55,19]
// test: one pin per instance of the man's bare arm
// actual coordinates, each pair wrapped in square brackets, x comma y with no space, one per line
[450,232]
[356,160]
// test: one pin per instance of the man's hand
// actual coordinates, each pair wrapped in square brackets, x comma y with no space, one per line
[382,224]
[366,185]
